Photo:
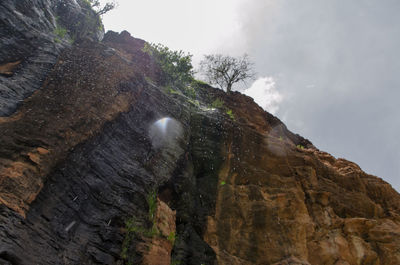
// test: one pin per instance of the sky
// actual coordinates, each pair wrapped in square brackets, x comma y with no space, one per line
[330,70]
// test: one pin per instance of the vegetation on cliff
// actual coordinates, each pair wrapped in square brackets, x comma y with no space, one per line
[225,71]
[176,65]
[101,9]
[82,181]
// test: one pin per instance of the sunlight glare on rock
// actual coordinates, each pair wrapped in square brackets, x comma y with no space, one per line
[165,131]
[162,124]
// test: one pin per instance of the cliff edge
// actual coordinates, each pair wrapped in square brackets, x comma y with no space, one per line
[103,164]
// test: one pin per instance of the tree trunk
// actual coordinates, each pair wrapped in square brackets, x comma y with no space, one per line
[229,88]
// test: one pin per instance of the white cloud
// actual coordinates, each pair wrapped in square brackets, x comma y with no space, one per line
[265,94]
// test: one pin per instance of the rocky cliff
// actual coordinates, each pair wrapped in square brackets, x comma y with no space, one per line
[32,35]
[101,164]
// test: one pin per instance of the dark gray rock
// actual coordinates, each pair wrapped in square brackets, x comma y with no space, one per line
[32,34]
[92,185]
[78,216]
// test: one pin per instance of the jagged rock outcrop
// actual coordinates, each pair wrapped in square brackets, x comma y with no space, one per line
[32,35]
[103,165]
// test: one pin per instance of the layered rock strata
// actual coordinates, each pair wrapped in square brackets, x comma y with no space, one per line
[104,165]
[32,35]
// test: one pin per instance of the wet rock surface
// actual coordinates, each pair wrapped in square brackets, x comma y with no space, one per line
[79,215]
[87,149]
[32,35]
[102,165]
[284,201]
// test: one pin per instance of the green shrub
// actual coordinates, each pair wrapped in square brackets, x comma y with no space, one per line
[230,114]
[194,102]
[217,103]
[60,31]
[171,237]
[176,65]
[134,228]
[190,90]
[220,104]
[200,83]
[171,91]
[131,229]
[152,203]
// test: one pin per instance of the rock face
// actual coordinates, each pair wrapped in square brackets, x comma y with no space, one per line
[32,34]
[103,165]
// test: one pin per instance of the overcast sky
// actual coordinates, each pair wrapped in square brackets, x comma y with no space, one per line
[329,69]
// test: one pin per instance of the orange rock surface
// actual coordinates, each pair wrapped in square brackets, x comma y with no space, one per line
[288,204]
[77,162]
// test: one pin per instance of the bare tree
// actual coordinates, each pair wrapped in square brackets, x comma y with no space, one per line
[225,71]
[101,10]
